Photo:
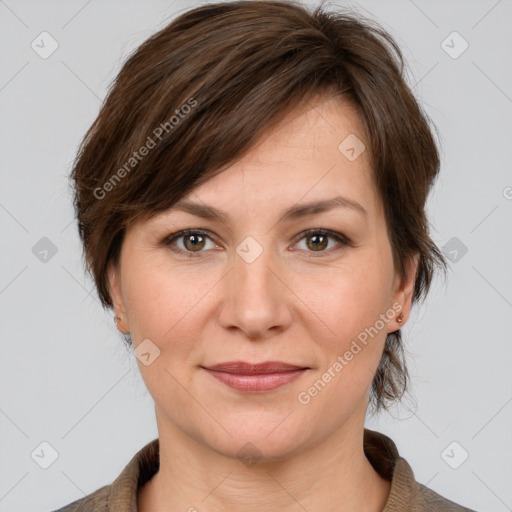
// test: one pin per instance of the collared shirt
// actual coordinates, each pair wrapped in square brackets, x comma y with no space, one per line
[406,494]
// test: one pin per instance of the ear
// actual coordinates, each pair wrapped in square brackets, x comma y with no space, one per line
[114,286]
[404,288]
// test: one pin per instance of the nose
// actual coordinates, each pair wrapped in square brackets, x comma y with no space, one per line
[255,297]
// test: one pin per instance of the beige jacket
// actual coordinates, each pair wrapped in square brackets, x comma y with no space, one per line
[406,494]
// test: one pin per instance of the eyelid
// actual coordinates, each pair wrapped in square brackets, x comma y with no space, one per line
[169,239]
[342,239]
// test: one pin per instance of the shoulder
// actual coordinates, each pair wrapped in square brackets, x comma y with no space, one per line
[94,502]
[408,494]
[121,494]
[434,502]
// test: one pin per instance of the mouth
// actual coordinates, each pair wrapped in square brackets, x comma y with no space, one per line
[259,377]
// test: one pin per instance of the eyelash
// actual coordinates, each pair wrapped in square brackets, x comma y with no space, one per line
[343,240]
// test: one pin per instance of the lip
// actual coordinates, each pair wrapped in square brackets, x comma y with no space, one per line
[243,368]
[259,377]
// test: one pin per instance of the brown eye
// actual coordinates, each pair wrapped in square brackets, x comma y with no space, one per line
[189,242]
[194,242]
[317,242]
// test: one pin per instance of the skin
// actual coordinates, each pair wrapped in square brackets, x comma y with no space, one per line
[285,306]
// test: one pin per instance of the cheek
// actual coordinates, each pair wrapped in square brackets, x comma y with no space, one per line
[351,351]
[170,306]
[163,307]
[161,297]
[350,297]
[346,304]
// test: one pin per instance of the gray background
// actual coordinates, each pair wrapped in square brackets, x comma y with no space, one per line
[65,376]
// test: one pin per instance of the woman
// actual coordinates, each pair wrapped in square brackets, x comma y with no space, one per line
[251,205]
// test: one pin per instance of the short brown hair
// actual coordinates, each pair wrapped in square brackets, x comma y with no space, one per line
[199,93]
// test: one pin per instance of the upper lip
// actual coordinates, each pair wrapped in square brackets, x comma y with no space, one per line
[243,368]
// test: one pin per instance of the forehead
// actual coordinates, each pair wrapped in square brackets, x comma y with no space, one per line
[317,152]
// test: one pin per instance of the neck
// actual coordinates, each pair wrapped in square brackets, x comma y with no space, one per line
[332,475]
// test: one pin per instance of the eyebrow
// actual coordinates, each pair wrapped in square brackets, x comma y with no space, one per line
[295,212]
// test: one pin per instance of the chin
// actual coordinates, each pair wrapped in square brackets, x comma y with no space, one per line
[259,441]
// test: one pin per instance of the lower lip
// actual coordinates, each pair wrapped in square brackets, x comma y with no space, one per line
[255,383]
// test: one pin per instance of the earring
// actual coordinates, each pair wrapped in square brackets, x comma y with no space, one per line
[117,319]
[400,318]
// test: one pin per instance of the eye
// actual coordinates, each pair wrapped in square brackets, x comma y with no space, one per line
[317,240]
[193,242]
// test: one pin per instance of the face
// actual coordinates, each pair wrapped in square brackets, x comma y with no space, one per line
[315,288]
